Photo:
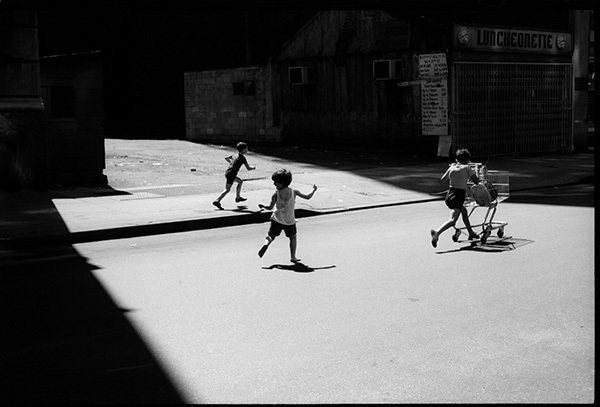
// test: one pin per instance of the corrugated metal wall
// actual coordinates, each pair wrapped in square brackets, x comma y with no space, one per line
[512,108]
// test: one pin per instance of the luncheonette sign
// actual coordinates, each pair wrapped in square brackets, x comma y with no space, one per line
[511,40]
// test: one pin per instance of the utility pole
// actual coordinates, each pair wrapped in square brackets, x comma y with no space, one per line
[579,21]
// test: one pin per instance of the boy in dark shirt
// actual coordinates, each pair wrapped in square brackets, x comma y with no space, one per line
[231,174]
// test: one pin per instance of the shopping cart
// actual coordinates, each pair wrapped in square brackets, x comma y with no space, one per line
[492,189]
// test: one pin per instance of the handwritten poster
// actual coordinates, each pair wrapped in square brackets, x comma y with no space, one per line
[433,72]
[433,66]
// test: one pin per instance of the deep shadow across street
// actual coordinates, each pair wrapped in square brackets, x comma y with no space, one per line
[65,340]
[577,194]
[421,173]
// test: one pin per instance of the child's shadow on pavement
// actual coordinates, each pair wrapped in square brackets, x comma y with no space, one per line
[243,208]
[297,267]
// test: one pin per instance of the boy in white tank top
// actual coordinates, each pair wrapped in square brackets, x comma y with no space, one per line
[283,218]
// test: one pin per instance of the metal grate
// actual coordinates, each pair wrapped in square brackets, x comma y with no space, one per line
[512,108]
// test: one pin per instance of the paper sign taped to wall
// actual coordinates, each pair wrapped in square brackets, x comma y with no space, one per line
[433,71]
[433,66]
[434,107]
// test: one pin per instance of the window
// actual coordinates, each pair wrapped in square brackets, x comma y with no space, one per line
[386,69]
[301,75]
[247,88]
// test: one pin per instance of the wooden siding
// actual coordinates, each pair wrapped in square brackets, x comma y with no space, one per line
[345,104]
[319,37]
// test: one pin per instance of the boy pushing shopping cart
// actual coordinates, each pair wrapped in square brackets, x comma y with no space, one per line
[471,185]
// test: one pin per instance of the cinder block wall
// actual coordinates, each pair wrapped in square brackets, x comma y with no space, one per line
[214,113]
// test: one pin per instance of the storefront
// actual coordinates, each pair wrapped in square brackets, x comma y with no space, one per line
[511,90]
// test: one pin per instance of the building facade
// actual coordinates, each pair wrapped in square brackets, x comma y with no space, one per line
[51,111]
[72,92]
[22,141]
[389,79]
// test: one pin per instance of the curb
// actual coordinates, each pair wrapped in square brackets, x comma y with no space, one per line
[206,223]
[177,227]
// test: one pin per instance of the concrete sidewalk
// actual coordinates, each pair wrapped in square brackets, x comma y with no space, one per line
[31,218]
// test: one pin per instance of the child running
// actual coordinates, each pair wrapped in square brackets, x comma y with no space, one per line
[231,174]
[283,218]
[458,173]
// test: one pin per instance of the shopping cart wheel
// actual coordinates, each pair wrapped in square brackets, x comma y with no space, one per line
[486,233]
[456,235]
[500,232]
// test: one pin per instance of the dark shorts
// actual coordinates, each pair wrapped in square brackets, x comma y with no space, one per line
[276,228]
[230,177]
[455,198]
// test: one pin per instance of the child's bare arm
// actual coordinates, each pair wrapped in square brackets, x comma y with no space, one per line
[475,179]
[271,205]
[307,196]
[446,173]
[229,158]
[250,168]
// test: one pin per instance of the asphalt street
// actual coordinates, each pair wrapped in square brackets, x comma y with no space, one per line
[374,314]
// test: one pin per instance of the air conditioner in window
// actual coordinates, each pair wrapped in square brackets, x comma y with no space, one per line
[302,75]
[388,69]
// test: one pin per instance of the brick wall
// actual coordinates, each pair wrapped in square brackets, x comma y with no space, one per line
[226,105]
